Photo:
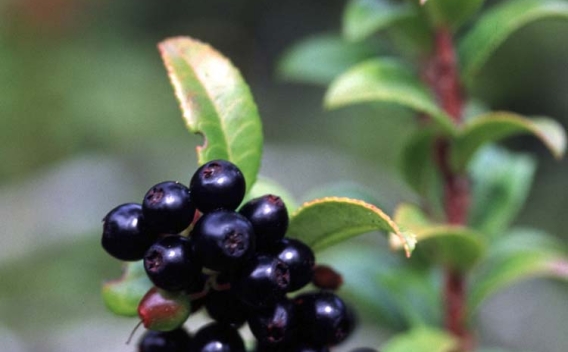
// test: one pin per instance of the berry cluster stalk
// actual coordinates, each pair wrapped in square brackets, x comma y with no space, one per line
[442,75]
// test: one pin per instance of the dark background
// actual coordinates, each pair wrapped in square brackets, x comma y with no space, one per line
[88,120]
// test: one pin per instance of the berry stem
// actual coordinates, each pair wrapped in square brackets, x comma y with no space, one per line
[442,75]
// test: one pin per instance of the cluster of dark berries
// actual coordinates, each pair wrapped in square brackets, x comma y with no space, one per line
[199,251]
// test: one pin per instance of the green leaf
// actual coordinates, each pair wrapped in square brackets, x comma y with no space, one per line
[321,58]
[451,13]
[498,24]
[519,255]
[123,295]
[457,247]
[416,164]
[497,196]
[422,339]
[494,126]
[346,189]
[362,18]
[216,103]
[385,288]
[266,185]
[385,80]
[324,222]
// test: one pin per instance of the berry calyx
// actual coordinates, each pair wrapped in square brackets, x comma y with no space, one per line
[168,208]
[262,281]
[269,219]
[161,310]
[170,266]
[217,337]
[223,240]
[177,340]
[124,234]
[324,317]
[218,184]
[300,260]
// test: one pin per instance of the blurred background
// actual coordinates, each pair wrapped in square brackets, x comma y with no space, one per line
[88,121]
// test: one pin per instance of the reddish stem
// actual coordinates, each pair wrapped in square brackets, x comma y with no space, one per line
[441,74]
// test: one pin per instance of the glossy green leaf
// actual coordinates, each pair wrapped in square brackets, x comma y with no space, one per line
[499,23]
[324,222]
[321,58]
[497,196]
[455,246]
[451,13]
[345,189]
[385,80]
[122,296]
[494,126]
[422,339]
[265,185]
[216,103]
[517,256]
[362,18]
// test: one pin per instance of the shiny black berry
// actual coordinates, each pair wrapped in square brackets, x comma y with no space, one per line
[275,324]
[170,265]
[300,261]
[224,307]
[262,281]
[307,348]
[168,207]
[217,337]
[223,240]
[164,341]
[269,219]
[297,347]
[324,318]
[218,184]
[124,234]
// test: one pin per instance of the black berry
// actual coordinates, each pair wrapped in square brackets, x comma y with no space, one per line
[262,281]
[223,240]
[217,337]
[297,347]
[124,234]
[324,318]
[218,184]
[170,266]
[300,261]
[275,324]
[224,307]
[168,208]
[269,219]
[164,341]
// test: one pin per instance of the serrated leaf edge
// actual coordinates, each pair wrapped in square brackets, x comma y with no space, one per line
[408,240]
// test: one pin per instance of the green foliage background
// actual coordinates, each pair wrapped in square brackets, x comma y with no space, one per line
[88,120]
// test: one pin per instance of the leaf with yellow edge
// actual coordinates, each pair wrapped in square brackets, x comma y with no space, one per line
[498,125]
[327,221]
[456,246]
[216,102]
